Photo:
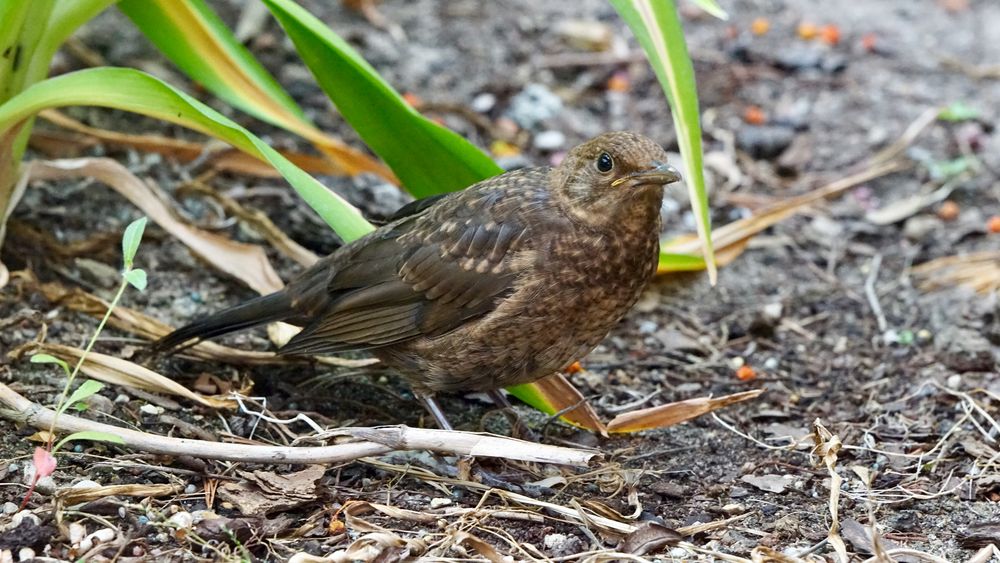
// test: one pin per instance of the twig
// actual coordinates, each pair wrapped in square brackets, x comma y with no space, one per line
[872,296]
[372,441]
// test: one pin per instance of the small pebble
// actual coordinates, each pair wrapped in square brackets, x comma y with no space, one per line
[549,140]
[534,104]
[954,381]
[439,502]
[182,520]
[199,515]
[483,103]
[151,409]
[85,484]
[190,488]
[9,508]
[734,508]
[771,364]
[737,362]
[648,327]
[25,554]
[6,556]
[76,533]
[20,517]
[143,520]
[104,535]
[122,399]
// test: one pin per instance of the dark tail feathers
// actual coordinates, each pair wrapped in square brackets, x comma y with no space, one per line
[265,309]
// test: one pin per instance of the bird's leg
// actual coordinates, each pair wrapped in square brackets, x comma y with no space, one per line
[434,408]
[518,427]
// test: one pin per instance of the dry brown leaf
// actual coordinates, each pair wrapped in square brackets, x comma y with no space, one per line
[978,270]
[264,492]
[245,262]
[117,371]
[72,495]
[675,413]
[561,394]
[479,546]
[730,240]
[226,159]
[650,537]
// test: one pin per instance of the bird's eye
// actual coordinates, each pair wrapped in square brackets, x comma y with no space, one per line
[605,163]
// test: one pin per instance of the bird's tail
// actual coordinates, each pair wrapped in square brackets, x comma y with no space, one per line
[268,308]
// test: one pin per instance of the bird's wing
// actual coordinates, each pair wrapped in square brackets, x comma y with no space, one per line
[420,276]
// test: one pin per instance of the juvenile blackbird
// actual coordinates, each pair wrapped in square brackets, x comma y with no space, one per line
[505,282]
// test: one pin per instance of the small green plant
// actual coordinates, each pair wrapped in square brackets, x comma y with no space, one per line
[44,458]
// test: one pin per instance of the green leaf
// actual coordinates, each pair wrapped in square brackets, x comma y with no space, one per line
[131,240]
[50,359]
[92,435]
[427,158]
[658,29]
[959,111]
[86,389]
[670,262]
[712,7]
[134,91]
[136,278]
[195,39]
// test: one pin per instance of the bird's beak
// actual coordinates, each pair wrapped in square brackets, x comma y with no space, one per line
[661,174]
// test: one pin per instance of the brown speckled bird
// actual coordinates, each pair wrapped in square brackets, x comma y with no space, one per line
[505,282]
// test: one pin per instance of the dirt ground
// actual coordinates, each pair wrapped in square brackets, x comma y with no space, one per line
[824,307]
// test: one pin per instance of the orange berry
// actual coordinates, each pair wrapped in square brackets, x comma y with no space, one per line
[619,82]
[745,373]
[948,211]
[869,42]
[830,34]
[754,115]
[993,224]
[807,31]
[413,99]
[760,26]
[575,367]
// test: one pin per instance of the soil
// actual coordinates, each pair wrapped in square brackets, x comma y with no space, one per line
[824,307]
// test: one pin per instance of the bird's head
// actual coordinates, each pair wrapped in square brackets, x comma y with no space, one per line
[611,173]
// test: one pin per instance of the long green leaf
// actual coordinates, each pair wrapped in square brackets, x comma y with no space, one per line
[657,26]
[134,91]
[195,39]
[427,158]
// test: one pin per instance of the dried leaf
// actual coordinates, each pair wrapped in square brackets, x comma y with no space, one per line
[264,492]
[907,207]
[117,371]
[770,482]
[245,262]
[560,394]
[73,495]
[675,413]
[650,537]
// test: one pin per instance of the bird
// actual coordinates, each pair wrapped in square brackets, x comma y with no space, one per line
[508,281]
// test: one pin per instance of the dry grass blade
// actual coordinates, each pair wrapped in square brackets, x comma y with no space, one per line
[565,399]
[225,159]
[260,223]
[674,413]
[117,371]
[246,263]
[827,447]
[12,186]
[390,439]
[738,232]
[74,495]
[978,270]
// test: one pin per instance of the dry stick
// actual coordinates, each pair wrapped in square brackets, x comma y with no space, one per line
[375,441]
[872,296]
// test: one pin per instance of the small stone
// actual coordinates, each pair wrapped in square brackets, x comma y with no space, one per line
[764,141]
[737,362]
[773,311]
[648,327]
[561,544]
[190,489]
[921,227]
[534,104]
[549,140]
[771,364]
[26,554]
[151,409]
[97,273]
[439,502]
[201,515]
[20,517]
[483,103]
[963,349]
[954,381]
[734,508]
[76,533]
[9,508]
[104,535]
[181,520]
[122,399]
[85,484]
